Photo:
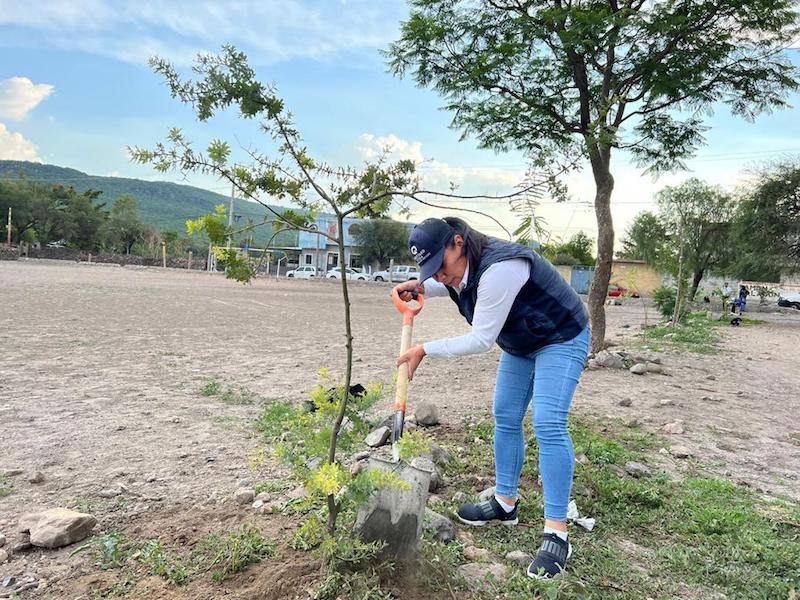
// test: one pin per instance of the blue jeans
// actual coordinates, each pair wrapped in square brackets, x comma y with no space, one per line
[550,376]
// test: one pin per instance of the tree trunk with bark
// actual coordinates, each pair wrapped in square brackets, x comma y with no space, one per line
[605,254]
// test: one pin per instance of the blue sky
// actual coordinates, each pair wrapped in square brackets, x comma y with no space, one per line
[75,91]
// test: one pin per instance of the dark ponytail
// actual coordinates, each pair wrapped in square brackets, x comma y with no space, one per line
[474,240]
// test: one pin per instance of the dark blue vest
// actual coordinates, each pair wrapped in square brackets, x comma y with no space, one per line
[546,311]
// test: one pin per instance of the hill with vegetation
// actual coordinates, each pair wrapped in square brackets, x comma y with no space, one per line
[162,204]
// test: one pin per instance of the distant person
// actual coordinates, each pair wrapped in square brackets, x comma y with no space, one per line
[741,301]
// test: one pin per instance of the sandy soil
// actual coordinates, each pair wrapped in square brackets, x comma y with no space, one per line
[101,369]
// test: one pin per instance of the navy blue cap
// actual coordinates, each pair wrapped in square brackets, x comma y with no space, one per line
[427,243]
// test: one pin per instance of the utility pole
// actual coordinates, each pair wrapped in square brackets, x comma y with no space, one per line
[8,229]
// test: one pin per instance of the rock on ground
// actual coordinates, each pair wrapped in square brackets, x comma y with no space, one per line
[519,557]
[378,437]
[637,469]
[477,572]
[57,527]
[427,414]
[442,527]
[426,464]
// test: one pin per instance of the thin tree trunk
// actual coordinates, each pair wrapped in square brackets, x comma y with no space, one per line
[333,506]
[696,279]
[605,255]
[678,295]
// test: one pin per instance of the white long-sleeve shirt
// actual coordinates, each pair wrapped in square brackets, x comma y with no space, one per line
[497,290]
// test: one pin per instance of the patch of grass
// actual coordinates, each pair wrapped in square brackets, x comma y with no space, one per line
[695,334]
[225,555]
[112,550]
[276,485]
[5,490]
[655,537]
[241,396]
[161,564]
[211,388]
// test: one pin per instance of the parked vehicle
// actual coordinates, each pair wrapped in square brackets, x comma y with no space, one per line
[399,273]
[336,273]
[791,300]
[617,291]
[304,272]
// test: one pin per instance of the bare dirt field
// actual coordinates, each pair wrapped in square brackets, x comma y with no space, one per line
[101,369]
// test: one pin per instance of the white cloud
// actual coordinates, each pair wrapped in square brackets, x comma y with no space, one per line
[13,146]
[19,96]
[439,175]
[269,31]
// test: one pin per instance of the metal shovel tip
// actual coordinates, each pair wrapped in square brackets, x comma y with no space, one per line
[395,453]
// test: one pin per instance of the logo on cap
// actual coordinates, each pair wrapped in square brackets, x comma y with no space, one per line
[414,250]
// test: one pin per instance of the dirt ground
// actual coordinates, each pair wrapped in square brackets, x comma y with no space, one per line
[101,369]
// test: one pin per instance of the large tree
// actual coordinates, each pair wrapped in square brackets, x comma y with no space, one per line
[766,231]
[380,240]
[645,239]
[567,81]
[697,216]
[125,227]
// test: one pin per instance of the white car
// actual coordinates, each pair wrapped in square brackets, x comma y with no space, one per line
[399,273]
[304,272]
[336,273]
[791,300]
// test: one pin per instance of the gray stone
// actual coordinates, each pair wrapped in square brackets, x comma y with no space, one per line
[617,470]
[675,428]
[442,528]
[361,455]
[426,464]
[393,516]
[60,527]
[711,377]
[258,504]
[357,467]
[426,413]
[12,472]
[637,469]
[460,498]
[523,559]
[654,367]
[666,402]
[625,402]
[8,582]
[440,456]
[378,437]
[3,556]
[37,477]
[610,360]
[298,493]
[244,495]
[680,451]
[486,494]
[2,540]
[109,493]
[473,554]
[638,369]
[478,573]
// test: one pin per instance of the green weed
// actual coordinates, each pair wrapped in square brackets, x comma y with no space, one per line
[211,388]
[159,563]
[5,490]
[227,554]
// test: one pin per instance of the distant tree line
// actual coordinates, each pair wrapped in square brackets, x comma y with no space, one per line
[56,214]
[752,233]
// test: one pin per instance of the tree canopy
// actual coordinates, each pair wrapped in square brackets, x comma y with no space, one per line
[380,240]
[567,82]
